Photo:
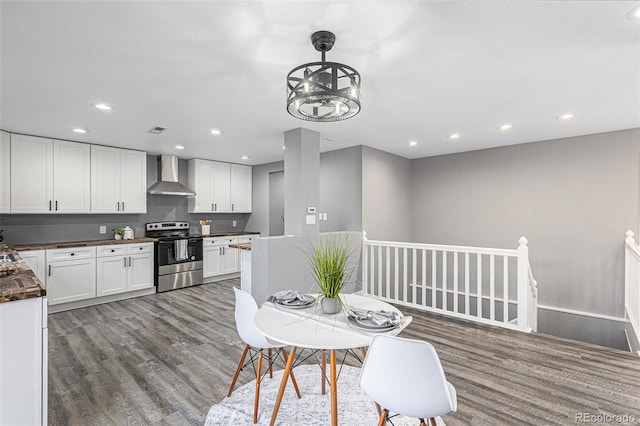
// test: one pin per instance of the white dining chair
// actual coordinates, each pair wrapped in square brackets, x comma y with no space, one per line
[405,377]
[256,343]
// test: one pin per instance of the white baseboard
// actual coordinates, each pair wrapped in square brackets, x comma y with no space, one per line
[581,313]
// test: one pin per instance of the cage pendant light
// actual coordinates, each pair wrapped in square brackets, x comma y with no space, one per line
[323,91]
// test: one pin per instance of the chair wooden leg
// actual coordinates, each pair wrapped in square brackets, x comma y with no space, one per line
[293,377]
[259,373]
[334,389]
[283,383]
[270,365]
[422,423]
[432,420]
[323,379]
[235,378]
[383,418]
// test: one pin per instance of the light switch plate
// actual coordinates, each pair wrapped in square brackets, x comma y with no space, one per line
[103,229]
[234,224]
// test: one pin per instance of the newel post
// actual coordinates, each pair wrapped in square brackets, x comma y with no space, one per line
[523,284]
[628,237]
[365,263]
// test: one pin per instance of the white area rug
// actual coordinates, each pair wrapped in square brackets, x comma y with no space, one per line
[355,407]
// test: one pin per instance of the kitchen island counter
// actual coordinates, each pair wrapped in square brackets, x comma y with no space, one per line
[23,284]
[72,244]
[241,246]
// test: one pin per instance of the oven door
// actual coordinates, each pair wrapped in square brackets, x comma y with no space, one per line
[175,251]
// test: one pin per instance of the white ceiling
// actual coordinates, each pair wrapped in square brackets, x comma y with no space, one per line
[429,69]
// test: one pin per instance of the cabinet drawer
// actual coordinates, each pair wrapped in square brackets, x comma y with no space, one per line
[54,255]
[219,241]
[247,238]
[140,248]
[113,250]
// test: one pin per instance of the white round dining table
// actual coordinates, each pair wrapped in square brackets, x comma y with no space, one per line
[310,328]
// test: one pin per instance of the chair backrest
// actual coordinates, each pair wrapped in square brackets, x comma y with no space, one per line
[405,376]
[246,308]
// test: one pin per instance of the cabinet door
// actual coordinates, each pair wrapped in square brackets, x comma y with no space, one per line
[230,260]
[200,179]
[71,280]
[105,179]
[111,275]
[71,177]
[31,174]
[140,271]
[241,184]
[133,183]
[221,187]
[36,261]
[211,261]
[5,172]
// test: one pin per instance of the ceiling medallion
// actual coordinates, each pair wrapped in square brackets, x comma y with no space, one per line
[323,91]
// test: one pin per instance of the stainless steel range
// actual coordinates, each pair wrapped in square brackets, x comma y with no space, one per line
[178,255]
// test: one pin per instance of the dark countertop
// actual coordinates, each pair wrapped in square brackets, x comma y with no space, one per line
[23,284]
[226,234]
[242,246]
[71,244]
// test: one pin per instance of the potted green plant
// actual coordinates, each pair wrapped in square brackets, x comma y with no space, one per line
[118,233]
[329,262]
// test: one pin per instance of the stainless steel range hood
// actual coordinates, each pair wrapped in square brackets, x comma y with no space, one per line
[167,183]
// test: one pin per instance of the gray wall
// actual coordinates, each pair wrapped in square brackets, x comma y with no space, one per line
[386,196]
[340,191]
[572,198]
[44,228]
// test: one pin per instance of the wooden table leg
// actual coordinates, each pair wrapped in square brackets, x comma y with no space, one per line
[334,390]
[283,384]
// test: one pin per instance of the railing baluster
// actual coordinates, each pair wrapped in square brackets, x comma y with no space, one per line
[444,280]
[492,287]
[414,279]
[388,264]
[404,274]
[505,291]
[455,281]
[396,274]
[466,283]
[380,271]
[479,286]
[434,269]
[424,278]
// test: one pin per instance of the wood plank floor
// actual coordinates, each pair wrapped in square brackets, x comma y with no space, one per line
[166,358]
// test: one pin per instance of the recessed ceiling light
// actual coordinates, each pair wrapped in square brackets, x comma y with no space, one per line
[413,143]
[568,116]
[634,13]
[179,147]
[216,132]
[79,130]
[505,126]
[103,107]
[454,136]
[245,157]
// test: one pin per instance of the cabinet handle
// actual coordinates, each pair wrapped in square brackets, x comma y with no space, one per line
[49,205]
[56,205]
[123,206]
[125,261]
[232,207]
[215,207]
[129,260]
[220,251]
[72,254]
[118,205]
[49,270]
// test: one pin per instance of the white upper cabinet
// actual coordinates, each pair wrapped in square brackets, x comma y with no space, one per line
[219,187]
[49,176]
[241,184]
[118,180]
[5,172]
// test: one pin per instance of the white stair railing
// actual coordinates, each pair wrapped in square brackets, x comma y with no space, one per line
[487,285]
[632,282]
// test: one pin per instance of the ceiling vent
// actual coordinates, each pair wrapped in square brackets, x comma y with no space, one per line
[156,130]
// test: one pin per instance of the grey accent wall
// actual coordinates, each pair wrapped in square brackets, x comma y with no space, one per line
[341,189]
[386,196]
[259,219]
[572,198]
[44,228]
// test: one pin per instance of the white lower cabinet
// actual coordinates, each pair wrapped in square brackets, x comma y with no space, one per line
[71,274]
[218,257]
[36,261]
[124,267]
[23,362]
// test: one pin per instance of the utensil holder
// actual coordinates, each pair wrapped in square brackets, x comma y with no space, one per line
[206,229]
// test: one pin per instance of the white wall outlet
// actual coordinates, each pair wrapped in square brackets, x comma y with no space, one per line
[234,224]
[103,229]
[324,216]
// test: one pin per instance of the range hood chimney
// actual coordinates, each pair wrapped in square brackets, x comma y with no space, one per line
[167,183]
